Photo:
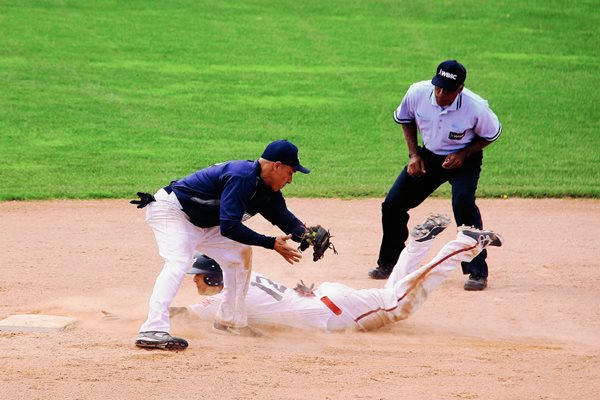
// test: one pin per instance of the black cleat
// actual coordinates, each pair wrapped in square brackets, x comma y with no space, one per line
[485,238]
[430,228]
[160,340]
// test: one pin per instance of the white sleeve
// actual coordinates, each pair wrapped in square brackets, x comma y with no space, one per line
[488,126]
[405,114]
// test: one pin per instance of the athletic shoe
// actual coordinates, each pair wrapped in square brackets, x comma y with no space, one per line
[430,228]
[485,238]
[475,283]
[228,330]
[160,340]
[381,272]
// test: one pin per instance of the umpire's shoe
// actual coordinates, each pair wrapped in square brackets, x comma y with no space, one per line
[160,340]
[475,283]
[382,271]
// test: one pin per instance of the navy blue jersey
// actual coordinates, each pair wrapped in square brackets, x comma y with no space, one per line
[226,194]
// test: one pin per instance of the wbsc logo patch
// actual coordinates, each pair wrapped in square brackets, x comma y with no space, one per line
[456,135]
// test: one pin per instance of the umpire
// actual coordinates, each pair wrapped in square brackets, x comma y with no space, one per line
[455,125]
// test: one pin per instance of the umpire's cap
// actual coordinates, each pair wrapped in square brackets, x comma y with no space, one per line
[450,75]
[203,264]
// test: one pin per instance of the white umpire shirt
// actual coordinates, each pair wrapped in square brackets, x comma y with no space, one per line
[447,130]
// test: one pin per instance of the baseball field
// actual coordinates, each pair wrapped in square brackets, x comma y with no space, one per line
[100,99]
[533,334]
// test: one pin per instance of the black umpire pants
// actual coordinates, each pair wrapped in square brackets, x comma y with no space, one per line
[408,192]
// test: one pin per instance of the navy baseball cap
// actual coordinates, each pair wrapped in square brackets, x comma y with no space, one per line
[284,152]
[449,75]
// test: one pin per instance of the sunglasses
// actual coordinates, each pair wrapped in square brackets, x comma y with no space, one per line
[212,280]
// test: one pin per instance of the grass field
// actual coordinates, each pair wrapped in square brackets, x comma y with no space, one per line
[104,98]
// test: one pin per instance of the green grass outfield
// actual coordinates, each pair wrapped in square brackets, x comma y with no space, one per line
[104,98]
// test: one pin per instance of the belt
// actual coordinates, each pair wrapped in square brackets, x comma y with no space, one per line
[168,189]
[331,305]
[432,153]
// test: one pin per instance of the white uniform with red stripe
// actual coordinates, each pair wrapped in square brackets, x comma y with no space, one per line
[337,307]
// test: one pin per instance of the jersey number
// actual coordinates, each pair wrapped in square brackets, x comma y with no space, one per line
[272,290]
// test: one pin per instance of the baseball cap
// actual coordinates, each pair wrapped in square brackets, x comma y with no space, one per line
[284,152]
[449,75]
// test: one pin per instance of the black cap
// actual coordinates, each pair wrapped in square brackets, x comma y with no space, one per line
[449,75]
[284,152]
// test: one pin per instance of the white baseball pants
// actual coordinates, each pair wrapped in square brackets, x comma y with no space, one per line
[177,239]
[405,290]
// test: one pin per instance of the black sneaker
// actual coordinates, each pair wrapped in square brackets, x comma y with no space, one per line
[160,340]
[485,238]
[430,228]
[475,283]
[381,272]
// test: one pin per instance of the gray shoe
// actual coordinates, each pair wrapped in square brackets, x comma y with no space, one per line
[485,238]
[160,340]
[228,330]
[430,228]
[475,283]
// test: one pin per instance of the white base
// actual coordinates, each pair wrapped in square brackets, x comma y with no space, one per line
[35,323]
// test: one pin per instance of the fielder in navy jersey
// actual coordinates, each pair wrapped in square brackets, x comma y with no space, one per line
[205,211]
[455,125]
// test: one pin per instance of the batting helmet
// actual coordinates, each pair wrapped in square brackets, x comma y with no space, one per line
[203,264]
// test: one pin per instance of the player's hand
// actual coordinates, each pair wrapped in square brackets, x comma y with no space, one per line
[454,160]
[290,254]
[416,166]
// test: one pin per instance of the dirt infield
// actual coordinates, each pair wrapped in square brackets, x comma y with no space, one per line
[533,334]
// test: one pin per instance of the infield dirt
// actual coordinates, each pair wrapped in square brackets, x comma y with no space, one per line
[533,334]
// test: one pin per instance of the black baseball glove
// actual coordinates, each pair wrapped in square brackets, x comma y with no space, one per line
[145,199]
[319,238]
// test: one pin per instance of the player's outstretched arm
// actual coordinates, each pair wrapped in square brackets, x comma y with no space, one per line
[290,254]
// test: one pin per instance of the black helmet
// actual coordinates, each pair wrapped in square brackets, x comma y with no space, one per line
[203,264]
